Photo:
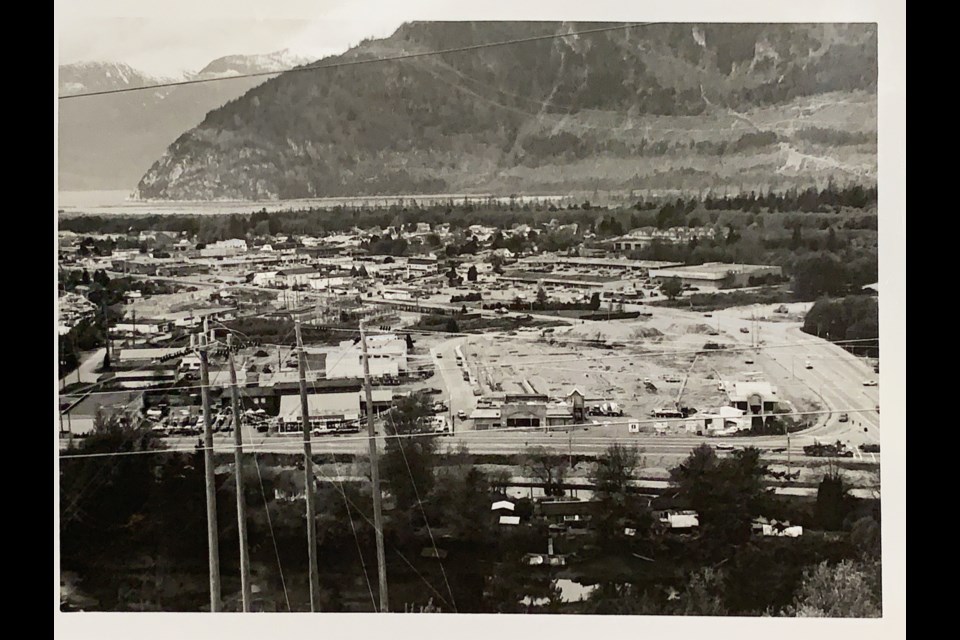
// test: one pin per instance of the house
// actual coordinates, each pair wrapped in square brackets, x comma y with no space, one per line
[679,521]
[503,505]
[773,528]
[568,511]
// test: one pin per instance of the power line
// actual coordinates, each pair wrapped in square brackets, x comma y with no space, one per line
[548,428]
[423,512]
[353,63]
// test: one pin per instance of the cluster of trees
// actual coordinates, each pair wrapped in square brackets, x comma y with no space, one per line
[117,509]
[830,198]
[645,212]
[849,318]
[385,245]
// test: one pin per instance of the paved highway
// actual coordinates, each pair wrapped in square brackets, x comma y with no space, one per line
[89,361]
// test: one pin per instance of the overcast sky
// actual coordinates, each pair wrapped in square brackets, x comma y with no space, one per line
[171,36]
[167,37]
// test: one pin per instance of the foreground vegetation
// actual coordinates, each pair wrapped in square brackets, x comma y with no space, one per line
[132,525]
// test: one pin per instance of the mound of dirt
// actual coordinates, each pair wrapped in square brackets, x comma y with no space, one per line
[698,328]
[646,332]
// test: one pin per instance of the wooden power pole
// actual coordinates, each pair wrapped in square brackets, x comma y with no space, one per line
[308,476]
[375,477]
[213,545]
[238,465]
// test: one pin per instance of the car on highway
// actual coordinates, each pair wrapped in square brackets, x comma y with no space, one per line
[808,365]
[748,361]
[462,414]
[869,383]
[708,315]
[432,391]
[439,355]
[724,447]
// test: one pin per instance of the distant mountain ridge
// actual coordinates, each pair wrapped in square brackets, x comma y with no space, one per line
[108,142]
[682,106]
[667,106]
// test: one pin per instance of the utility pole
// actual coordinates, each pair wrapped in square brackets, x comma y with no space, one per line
[238,464]
[308,477]
[213,545]
[374,477]
[789,465]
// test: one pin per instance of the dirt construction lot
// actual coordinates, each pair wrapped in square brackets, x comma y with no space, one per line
[614,361]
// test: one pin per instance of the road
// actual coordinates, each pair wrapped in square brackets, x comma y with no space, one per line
[585,440]
[88,363]
[459,391]
[835,375]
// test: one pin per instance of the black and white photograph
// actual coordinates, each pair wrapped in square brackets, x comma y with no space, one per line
[381,308]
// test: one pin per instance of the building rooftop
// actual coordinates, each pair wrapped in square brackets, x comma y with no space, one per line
[742,390]
[709,270]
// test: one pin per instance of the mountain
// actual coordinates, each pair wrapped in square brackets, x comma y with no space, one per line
[665,106]
[108,142]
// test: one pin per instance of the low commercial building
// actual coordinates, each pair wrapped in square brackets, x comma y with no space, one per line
[142,357]
[423,265]
[646,236]
[754,398]
[224,248]
[718,275]
[295,277]
[326,410]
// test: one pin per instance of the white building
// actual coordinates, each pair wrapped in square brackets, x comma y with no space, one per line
[224,248]
[325,409]
[388,357]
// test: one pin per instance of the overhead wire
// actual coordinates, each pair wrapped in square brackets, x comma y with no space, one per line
[426,520]
[364,61]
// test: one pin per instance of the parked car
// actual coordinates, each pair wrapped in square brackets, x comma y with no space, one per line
[744,330]
[843,418]
[869,383]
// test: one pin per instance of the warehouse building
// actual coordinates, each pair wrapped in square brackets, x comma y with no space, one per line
[719,275]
